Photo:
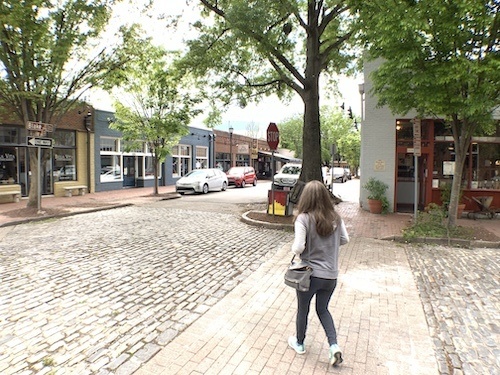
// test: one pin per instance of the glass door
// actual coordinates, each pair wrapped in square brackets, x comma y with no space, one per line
[129,168]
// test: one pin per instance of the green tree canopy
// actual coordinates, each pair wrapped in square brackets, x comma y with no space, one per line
[247,50]
[155,106]
[49,59]
[440,58]
[336,129]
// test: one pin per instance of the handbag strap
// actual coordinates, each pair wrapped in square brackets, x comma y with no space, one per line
[308,231]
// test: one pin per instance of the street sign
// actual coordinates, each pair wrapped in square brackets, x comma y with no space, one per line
[39,142]
[39,126]
[417,137]
[273,136]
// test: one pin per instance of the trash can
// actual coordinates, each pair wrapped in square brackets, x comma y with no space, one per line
[282,205]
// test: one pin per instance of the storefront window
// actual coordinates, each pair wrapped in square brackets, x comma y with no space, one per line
[64,138]
[133,146]
[201,157]
[111,169]
[64,165]
[481,169]
[222,160]
[485,166]
[8,165]
[111,160]
[242,160]
[181,160]
[444,164]
[64,155]
[9,134]
[108,144]
[149,167]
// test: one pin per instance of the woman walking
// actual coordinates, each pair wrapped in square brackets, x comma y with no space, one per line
[318,224]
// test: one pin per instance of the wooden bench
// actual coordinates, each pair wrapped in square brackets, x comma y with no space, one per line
[15,194]
[82,189]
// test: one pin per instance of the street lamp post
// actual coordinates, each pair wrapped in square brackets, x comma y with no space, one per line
[361,89]
[230,146]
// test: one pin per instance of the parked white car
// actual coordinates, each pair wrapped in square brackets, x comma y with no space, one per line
[287,176]
[202,181]
[339,175]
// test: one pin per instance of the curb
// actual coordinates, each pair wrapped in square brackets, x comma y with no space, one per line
[48,217]
[454,242]
[166,196]
[170,196]
[263,224]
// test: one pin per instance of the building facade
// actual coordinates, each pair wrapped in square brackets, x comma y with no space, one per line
[85,151]
[63,160]
[388,154]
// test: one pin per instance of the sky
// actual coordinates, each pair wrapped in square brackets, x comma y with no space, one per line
[268,110]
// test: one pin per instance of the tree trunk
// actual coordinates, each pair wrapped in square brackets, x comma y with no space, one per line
[34,178]
[155,166]
[311,159]
[461,147]
[311,152]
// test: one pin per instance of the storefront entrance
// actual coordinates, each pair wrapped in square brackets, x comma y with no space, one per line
[405,182]
[129,168]
[46,172]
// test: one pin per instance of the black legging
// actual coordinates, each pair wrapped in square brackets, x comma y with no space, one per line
[323,289]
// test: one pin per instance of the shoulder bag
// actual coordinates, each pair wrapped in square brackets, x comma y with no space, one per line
[298,275]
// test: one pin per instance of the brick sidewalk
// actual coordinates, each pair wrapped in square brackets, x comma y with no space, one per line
[376,307]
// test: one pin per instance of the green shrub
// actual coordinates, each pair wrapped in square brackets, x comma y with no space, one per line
[432,223]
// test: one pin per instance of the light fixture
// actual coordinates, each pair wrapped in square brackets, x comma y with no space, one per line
[361,88]
[230,146]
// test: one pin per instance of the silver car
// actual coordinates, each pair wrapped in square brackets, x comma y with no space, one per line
[202,181]
[287,176]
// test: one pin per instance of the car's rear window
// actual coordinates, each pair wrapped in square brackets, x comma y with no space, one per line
[291,170]
[236,170]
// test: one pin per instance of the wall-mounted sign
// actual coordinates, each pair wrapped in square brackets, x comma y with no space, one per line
[379,165]
[242,148]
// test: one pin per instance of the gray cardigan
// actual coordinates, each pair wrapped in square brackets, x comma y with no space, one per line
[324,251]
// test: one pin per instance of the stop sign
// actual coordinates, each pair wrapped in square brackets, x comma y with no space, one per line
[273,136]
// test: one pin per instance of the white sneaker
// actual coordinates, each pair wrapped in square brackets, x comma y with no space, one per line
[335,355]
[292,343]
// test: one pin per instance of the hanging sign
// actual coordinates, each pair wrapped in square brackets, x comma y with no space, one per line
[417,137]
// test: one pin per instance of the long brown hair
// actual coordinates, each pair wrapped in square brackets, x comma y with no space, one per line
[316,201]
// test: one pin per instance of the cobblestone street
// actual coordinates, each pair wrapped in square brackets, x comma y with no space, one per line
[107,292]
[460,292]
[102,292]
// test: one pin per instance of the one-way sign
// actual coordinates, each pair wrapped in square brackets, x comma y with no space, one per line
[39,142]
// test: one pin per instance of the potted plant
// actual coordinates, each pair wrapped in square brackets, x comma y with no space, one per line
[377,201]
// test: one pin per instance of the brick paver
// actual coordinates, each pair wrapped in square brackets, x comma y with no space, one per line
[460,291]
[378,313]
[106,298]
[103,292]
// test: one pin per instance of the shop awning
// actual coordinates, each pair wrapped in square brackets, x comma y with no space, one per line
[280,157]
